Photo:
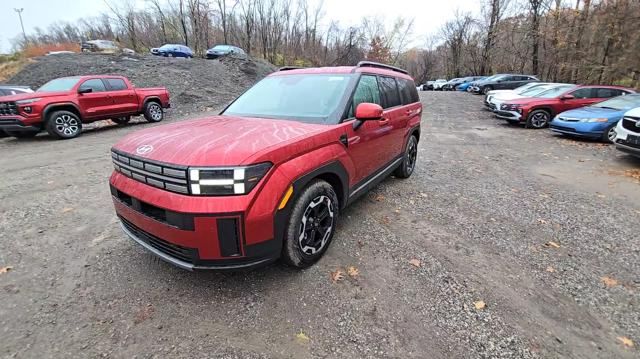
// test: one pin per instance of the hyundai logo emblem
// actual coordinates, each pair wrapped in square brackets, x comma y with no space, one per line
[144,149]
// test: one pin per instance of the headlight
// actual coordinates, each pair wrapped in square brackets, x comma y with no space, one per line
[27,101]
[594,120]
[226,181]
[510,107]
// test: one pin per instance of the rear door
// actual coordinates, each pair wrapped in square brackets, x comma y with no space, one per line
[98,102]
[125,100]
[410,110]
[396,117]
[366,145]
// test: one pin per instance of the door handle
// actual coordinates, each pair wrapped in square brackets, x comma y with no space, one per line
[383,122]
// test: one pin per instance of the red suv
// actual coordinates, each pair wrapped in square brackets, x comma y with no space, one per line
[268,177]
[62,105]
[537,112]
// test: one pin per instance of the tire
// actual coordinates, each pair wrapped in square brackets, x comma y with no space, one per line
[121,120]
[408,164]
[153,112]
[22,134]
[609,135]
[305,240]
[64,125]
[486,89]
[538,119]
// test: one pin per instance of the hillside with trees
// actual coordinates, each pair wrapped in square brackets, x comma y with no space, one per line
[581,41]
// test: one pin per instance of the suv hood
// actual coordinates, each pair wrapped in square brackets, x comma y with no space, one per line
[592,112]
[531,100]
[215,141]
[30,95]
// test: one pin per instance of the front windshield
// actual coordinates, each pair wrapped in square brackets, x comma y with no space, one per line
[221,47]
[63,84]
[526,87]
[491,78]
[168,46]
[556,91]
[532,92]
[306,98]
[624,102]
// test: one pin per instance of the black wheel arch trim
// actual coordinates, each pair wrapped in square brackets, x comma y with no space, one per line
[56,106]
[334,168]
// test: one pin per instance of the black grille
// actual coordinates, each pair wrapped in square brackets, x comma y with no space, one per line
[630,123]
[8,108]
[184,254]
[170,178]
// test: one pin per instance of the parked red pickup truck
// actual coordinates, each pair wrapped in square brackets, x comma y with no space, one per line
[62,105]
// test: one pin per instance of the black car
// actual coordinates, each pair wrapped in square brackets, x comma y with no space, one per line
[8,90]
[502,82]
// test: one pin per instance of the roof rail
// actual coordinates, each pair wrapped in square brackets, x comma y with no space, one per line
[380,66]
[287,68]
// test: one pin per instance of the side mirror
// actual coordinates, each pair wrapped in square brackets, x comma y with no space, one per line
[85,90]
[567,97]
[368,111]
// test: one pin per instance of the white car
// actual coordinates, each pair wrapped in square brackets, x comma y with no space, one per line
[437,85]
[628,133]
[495,98]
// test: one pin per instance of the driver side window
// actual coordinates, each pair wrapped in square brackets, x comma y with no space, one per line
[582,93]
[366,91]
[96,85]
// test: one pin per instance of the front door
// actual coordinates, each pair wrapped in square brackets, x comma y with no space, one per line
[96,103]
[368,144]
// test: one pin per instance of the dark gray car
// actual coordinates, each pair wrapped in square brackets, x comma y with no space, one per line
[224,50]
[502,82]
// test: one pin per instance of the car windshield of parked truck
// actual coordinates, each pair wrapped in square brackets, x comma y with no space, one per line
[304,97]
[556,91]
[532,92]
[63,84]
[624,102]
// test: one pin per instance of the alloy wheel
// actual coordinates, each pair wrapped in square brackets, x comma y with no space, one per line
[156,112]
[539,120]
[611,134]
[67,125]
[412,155]
[316,225]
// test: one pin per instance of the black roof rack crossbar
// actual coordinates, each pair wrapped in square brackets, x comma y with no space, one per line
[287,68]
[381,66]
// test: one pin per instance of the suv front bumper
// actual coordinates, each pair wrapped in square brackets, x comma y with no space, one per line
[511,116]
[627,141]
[192,232]
[17,123]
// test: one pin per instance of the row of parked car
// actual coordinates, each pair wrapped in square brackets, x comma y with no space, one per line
[598,112]
[176,50]
[479,84]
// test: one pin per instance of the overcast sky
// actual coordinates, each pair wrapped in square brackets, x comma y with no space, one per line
[429,15]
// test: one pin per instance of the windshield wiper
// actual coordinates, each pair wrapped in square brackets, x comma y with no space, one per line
[608,108]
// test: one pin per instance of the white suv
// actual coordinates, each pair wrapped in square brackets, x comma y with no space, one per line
[628,133]
[437,85]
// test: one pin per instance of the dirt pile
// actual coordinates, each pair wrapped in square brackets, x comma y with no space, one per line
[194,84]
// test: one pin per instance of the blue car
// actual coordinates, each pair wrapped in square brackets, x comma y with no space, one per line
[464,86]
[597,121]
[173,50]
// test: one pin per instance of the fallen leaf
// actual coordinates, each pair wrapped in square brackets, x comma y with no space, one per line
[416,263]
[337,276]
[552,244]
[479,304]
[542,221]
[353,272]
[6,269]
[423,195]
[68,209]
[379,198]
[550,269]
[626,341]
[301,337]
[609,282]
[144,314]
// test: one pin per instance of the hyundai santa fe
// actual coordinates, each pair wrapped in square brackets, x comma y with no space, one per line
[269,176]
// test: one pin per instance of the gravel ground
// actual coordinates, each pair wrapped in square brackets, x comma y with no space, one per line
[195,84]
[540,228]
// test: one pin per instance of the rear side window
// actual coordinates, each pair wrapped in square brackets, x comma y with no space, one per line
[96,85]
[367,91]
[117,84]
[408,92]
[607,93]
[390,92]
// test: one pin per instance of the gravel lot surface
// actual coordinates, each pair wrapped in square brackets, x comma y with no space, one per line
[542,229]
